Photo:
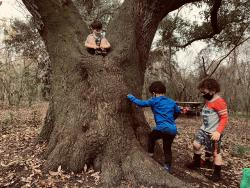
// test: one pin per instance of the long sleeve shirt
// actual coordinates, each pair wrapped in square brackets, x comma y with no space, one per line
[215,115]
[163,109]
[91,42]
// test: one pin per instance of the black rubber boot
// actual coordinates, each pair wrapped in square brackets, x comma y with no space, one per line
[207,163]
[217,174]
[196,163]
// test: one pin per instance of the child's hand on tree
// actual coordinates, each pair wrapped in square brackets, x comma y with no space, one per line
[130,96]
[215,136]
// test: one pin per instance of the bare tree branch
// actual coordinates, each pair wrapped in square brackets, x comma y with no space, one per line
[204,67]
[202,37]
[226,55]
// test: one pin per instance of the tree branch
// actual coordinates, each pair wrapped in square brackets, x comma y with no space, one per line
[226,55]
[142,23]
[215,28]
[55,15]
[214,17]
[204,67]
[33,9]
[202,37]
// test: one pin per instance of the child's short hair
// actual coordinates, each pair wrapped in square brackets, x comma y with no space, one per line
[157,87]
[96,25]
[209,84]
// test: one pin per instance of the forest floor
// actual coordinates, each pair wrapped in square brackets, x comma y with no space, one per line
[21,155]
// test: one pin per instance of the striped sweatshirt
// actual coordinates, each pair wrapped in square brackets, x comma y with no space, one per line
[215,115]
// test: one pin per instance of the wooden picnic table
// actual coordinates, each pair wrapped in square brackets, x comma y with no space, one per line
[193,105]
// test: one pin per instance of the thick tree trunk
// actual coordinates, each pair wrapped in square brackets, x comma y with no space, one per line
[90,120]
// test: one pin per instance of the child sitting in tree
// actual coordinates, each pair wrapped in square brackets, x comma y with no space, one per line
[215,119]
[165,112]
[96,43]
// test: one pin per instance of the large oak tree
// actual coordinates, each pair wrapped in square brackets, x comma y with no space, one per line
[89,120]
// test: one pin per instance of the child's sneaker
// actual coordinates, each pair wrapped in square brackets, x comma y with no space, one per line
[167,167]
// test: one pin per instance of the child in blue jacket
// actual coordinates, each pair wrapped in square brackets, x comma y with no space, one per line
[165,112]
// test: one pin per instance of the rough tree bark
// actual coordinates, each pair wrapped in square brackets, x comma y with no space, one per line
[90,120]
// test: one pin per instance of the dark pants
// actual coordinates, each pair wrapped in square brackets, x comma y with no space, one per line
[167,143]
[98,51]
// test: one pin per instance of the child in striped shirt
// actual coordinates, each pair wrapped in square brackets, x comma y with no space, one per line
[215,119]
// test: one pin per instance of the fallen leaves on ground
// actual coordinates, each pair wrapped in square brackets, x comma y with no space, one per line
[235,152]
[21,163]
[22,156]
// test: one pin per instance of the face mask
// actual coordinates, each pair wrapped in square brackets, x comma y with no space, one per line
[208,96]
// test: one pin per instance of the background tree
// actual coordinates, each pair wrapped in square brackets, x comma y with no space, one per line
[178,31]
[230,24]
[25,71]
[235,78]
